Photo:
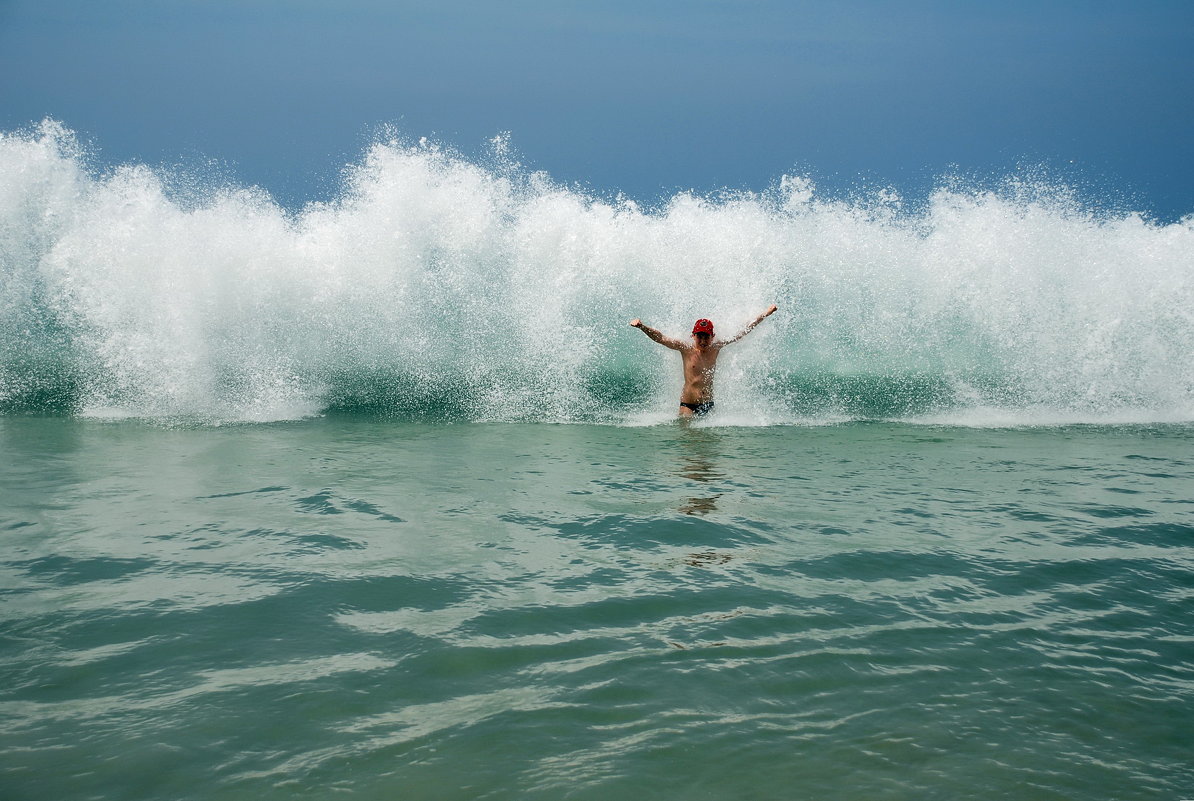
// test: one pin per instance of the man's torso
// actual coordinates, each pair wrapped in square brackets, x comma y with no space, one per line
[699,367]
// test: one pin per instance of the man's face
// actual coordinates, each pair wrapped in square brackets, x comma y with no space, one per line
[703,339]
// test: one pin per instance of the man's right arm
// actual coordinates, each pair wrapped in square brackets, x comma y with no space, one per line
[658,336]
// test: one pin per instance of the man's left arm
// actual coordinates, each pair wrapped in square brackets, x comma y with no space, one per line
[752,325]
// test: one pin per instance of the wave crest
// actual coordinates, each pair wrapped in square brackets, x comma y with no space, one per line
[436,287]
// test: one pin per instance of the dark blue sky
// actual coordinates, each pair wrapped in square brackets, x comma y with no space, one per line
[643,97]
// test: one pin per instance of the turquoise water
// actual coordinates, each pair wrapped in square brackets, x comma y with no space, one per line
[369,608]
[382,498]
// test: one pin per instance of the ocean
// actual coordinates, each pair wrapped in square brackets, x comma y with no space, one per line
[382,498]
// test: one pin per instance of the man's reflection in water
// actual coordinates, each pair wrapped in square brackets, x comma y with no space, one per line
[699,506]
[699,454]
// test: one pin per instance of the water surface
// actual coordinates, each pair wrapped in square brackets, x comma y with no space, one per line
[353,605]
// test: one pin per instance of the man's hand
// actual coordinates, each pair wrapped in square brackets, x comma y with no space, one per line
[770,311]
[636,323]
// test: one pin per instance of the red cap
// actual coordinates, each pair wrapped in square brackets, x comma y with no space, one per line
[703,326]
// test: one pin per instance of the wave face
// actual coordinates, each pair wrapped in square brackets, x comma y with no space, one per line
[439,288]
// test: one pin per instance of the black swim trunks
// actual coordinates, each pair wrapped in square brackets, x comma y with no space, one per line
[699,409]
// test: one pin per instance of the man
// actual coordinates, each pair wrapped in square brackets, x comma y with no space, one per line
[700,360]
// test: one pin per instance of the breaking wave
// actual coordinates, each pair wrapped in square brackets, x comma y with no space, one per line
[435,287]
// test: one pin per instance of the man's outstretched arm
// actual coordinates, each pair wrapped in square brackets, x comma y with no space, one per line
[666,341]
[752,325]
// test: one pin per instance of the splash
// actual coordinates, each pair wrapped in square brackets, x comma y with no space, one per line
[434,287]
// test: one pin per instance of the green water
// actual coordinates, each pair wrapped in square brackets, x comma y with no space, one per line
[355,607]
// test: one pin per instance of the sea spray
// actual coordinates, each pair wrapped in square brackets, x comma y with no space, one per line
[434,287]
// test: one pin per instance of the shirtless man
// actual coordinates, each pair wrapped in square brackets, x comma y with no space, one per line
[700,360]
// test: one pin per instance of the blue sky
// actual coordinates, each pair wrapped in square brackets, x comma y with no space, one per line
[641,97]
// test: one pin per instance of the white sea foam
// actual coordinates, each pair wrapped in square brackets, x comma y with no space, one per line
[436,283]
